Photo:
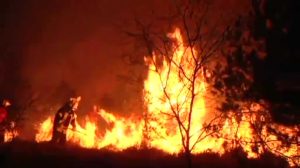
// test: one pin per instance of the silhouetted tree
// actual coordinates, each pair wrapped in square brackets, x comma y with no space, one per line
[203,38]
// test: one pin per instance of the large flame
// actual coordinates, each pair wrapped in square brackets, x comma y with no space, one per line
[167,93]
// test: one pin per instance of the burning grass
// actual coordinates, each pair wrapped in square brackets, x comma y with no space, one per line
[178,118]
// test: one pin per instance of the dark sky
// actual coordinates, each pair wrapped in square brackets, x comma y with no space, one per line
[77,42]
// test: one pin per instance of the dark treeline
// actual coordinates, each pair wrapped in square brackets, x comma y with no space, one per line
[278,75]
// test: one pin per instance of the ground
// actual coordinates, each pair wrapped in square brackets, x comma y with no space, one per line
[30,154]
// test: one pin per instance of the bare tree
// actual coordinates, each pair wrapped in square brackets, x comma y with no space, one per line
[203,37]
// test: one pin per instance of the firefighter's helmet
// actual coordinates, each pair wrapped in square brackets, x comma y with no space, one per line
[74,102]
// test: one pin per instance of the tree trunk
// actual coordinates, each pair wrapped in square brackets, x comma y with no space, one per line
[188,154]
[188,158]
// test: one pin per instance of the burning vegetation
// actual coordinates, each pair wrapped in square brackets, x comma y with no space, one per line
[179,116]
[198,95]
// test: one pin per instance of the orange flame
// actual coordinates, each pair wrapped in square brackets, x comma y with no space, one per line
[161,129]
[85,136]
[124,133]
[166,88]
[9,135]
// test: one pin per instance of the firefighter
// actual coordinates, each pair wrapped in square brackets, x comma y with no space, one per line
[64,117]
[3,118]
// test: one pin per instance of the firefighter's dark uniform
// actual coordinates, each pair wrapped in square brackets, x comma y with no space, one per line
[63,118]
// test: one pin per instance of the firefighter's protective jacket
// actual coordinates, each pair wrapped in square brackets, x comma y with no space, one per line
[63,118]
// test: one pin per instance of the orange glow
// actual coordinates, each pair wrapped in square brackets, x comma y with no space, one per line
[167,88]
[9,135]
